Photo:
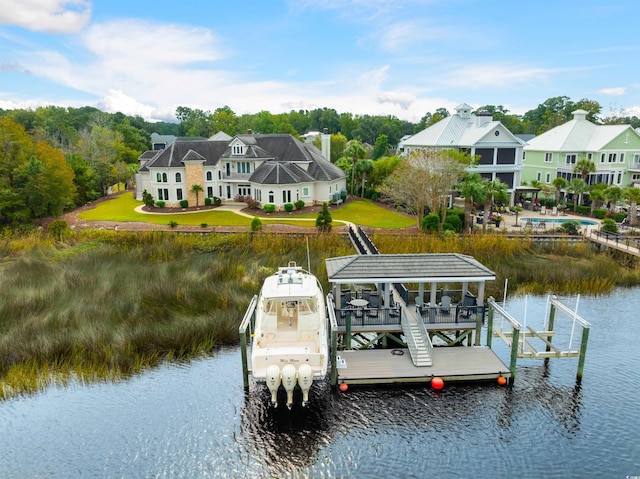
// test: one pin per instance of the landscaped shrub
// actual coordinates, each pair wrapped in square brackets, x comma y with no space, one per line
[203,225]
[599,213]
[299,204]
[324,220]
[288,207]
[584,210]
[160,204]
[256,224]
[269,208]
[619,216]
[217,201]
[430,223]
[252,203]
[184,203]
[343,196]
[453,222]
[207,201]
[147,198]
[173,224]
[571,227]
[609,225]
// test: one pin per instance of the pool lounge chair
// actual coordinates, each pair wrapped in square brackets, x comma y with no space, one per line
[543,210]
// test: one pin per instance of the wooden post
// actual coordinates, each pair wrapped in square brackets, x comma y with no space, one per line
[515,339]
[489,327]
[334,356]
[550,326]
[478,328]
[245,366]
[583,352]
[347,344]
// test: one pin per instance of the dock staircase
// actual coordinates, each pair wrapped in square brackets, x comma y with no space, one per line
[417,339]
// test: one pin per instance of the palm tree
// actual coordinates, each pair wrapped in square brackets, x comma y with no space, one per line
[492,191]
[356,151]
[632,195]
[364,167]
[584,167]
[470,189]
[613,194]
[560,184]
[196,189]
[597,196]
[578,186]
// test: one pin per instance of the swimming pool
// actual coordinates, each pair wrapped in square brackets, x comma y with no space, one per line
[535,221]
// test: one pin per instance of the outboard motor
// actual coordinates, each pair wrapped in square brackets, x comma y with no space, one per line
[289,382]
[273,383]
[305,380]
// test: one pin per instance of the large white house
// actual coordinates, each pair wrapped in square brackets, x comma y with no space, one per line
[499,151]
[272,169]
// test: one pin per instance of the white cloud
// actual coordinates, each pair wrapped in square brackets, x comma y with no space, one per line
[492,75]
[402,99]
[617,91]
[51,16]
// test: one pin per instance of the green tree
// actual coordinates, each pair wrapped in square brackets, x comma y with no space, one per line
[323,220]
[363,167]
[472,190]
[492,191]
[578,187]
[632,195]
[355,151]
[382,168]
[224,119]
[381,147]
[560,184]
[613,194]
[197,189]
[597,196]
[193,122]
[584,167]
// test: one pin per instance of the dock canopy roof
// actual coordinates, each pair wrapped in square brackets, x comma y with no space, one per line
[410,268]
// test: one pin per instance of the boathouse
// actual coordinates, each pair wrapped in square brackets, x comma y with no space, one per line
[383,332]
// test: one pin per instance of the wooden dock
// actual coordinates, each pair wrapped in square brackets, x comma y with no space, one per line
[626,244]
[387,366]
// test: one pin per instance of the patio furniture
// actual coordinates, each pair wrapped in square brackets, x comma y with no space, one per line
[445,305]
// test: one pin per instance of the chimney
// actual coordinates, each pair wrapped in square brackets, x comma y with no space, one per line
[483,117]
[326,144]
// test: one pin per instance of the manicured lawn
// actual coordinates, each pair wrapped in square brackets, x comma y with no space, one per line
[122,208]
[363,212]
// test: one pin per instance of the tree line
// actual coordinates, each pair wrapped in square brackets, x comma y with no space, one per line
[54,159]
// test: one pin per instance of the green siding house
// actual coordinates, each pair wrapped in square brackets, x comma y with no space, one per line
[614,150]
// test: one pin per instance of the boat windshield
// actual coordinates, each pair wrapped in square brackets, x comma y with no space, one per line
[301,305]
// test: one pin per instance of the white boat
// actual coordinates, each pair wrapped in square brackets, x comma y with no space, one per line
[290,345]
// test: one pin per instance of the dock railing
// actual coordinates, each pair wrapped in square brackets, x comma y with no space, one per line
[333,340]
[511,339]
[245,332]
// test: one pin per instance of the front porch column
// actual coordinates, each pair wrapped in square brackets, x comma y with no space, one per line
[433,294]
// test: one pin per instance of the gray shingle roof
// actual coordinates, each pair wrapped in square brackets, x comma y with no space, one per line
[446,267]
[279,173]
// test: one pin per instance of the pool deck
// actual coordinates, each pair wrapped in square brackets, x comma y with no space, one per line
[509,220]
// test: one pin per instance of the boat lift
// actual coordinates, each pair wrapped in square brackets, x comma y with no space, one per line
[525,341]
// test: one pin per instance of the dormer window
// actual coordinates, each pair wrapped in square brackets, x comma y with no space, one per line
[237,149]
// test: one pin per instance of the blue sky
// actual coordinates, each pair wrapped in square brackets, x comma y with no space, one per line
[381,57]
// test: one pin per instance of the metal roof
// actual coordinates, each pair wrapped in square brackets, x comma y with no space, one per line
[413,268]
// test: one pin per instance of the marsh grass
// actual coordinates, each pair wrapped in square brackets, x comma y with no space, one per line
[111,304]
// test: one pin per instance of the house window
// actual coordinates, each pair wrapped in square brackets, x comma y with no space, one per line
[178,178]
[589,156]
[228,192]
[164,177]
[571,159]
[163,194]
[619,178]
[636,158]
[621,158]
[272,197]
[538,176]
[159,177]
[548,178]
[219,174]
[602,157]
[220,191]
[209,191]
[209,176]
[179,193]
[612,157]
[305,191]
[548,157]
[237,150]
[257,194]
[635,177]
[286,196]
[244,167]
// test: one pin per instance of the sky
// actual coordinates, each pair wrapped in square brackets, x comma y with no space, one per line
[402,58]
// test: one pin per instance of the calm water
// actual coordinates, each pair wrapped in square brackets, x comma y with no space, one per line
[195,420]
